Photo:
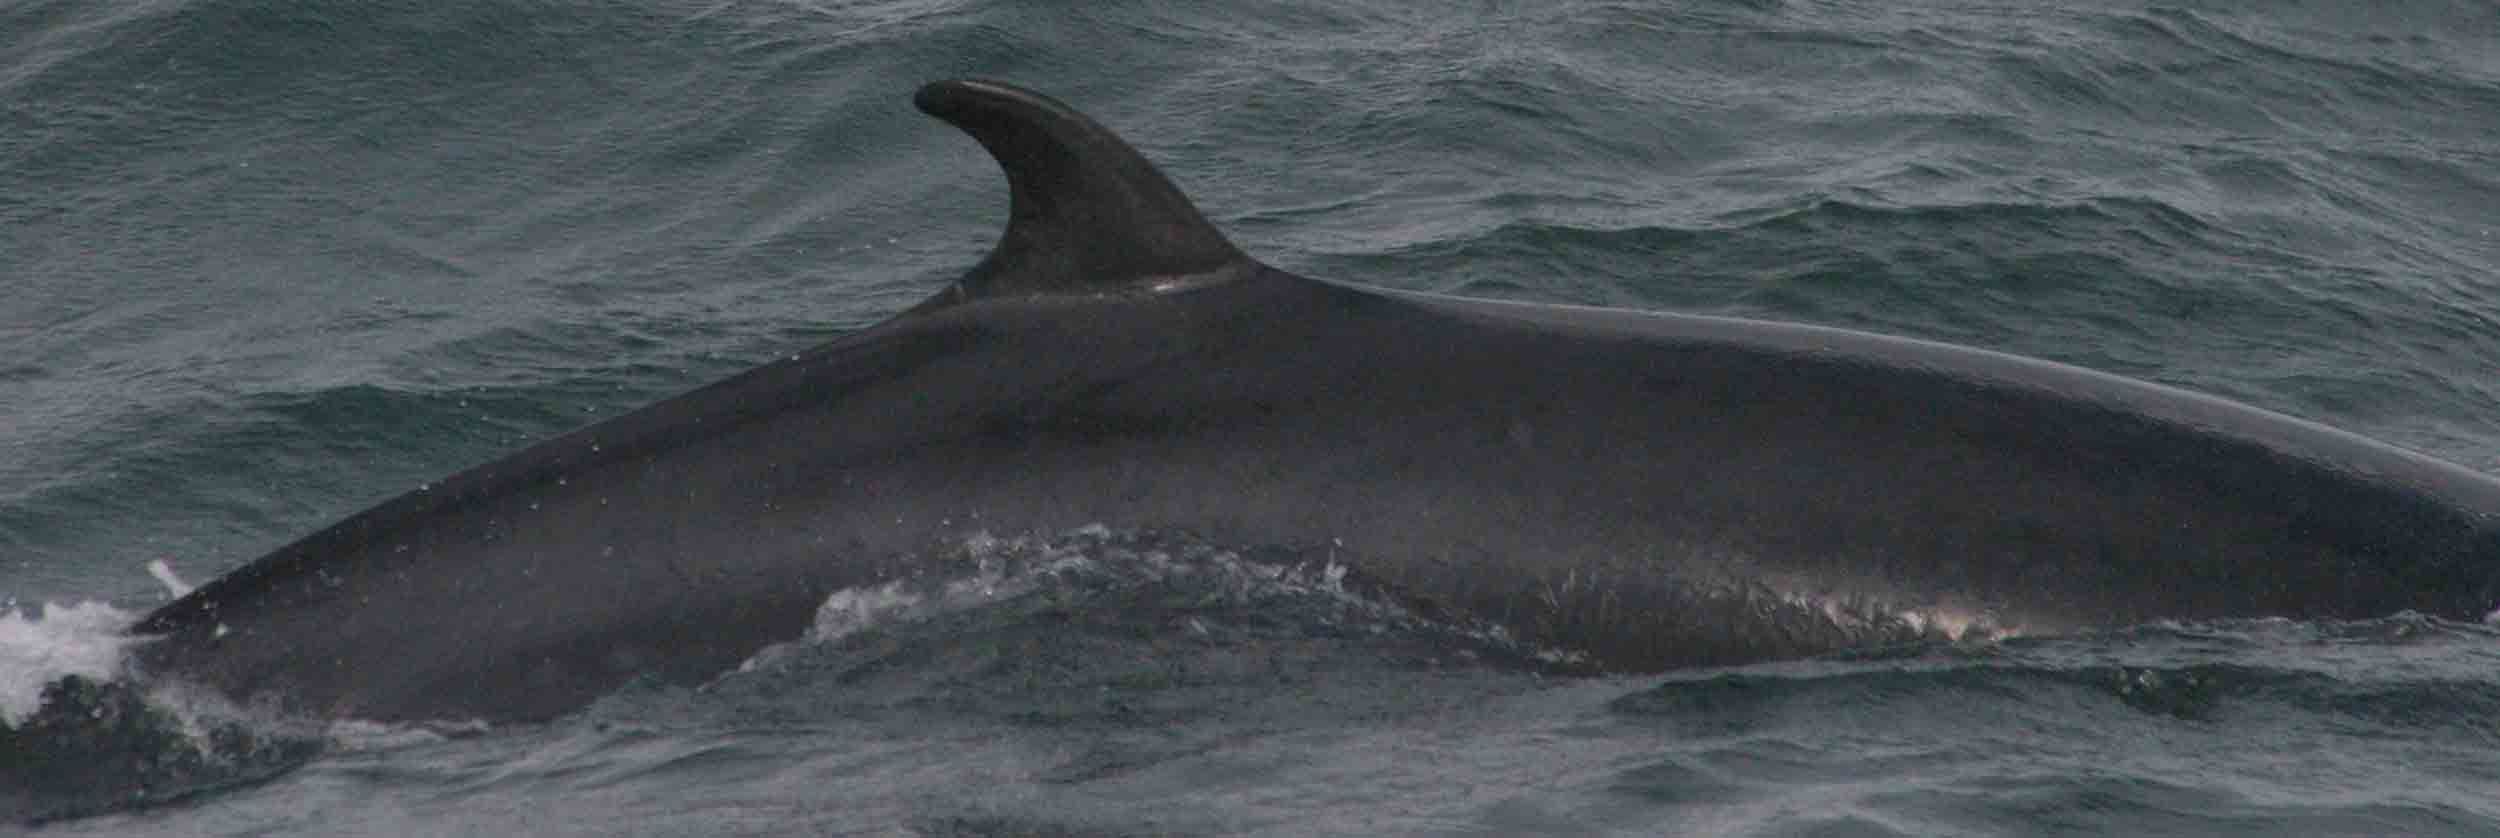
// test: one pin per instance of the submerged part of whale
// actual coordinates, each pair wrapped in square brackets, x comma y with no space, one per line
[1650,490]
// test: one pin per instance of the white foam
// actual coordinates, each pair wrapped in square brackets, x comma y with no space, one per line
[82,638]
[990,570]
[993,577]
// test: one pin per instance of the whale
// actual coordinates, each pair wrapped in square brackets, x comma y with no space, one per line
[1646,490]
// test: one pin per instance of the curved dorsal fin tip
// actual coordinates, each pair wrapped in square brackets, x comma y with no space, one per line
[1087,214]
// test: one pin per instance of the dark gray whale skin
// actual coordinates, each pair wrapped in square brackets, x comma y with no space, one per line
[1650,490]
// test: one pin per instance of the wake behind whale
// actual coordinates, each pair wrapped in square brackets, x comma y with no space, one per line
[1647,490]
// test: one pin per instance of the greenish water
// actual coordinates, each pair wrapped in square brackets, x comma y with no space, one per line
[265,263]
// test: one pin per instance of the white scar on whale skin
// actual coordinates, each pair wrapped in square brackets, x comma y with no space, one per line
[164,573]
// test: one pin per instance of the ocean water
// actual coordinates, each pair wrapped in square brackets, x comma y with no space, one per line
[266,262]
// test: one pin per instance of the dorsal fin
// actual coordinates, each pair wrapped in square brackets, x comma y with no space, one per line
[1086,213]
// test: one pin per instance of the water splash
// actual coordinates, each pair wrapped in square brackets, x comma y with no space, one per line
[41,644]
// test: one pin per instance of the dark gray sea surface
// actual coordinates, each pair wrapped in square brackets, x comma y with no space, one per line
[264,263]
